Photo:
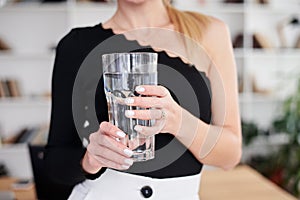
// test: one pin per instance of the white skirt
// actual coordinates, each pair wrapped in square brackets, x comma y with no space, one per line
[115,185]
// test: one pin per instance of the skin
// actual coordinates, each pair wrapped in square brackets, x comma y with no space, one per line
[225,131]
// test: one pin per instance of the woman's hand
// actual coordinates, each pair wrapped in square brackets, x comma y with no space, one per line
[165,111]
[106,150]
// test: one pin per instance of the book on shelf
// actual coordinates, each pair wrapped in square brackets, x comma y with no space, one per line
[9,88]
[95,0]
[36,135]
[13,87]
[233,1]
[28,135]
[238,41]
[298,43]
[3,45]
[41,135]
[260,41]
[262,1]
[16,137]
[288,31]
[2,90]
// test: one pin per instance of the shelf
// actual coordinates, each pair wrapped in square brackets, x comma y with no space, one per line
[272,9]
[25,101]
[267,53]
[273,53]
[265,145]
[208,6]
[258,98]
[239,52]
[10,55]
[34,7]
[276,139]
[31,49]
[94,6]
[214,7]
[57,7]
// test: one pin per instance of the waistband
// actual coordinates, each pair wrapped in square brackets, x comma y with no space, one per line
[115,185]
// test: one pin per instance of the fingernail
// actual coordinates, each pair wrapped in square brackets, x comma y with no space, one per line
[128,161]
[128,152]
[129,100]
[121,134]
[138,128]
[129,113]
[140,89]
[125,166]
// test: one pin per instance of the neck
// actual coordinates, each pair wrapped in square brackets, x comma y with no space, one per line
[150,13]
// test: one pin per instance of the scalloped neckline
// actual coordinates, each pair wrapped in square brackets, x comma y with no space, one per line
[111,31]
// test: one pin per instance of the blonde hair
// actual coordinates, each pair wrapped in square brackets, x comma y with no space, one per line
[188,23]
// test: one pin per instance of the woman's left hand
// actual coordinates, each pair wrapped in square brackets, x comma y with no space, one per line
[164,110]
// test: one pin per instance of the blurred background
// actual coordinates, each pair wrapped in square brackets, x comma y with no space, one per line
[266,40]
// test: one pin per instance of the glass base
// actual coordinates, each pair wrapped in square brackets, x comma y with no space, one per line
[142,156]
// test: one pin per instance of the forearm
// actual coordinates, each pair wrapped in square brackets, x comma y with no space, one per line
[210,144]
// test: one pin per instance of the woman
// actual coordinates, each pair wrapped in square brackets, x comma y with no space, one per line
[213,137]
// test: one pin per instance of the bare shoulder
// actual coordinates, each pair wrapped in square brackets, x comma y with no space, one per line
[216,37]
[216,23]
[215,30]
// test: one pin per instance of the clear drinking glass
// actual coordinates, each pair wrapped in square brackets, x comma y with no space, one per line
[122,73]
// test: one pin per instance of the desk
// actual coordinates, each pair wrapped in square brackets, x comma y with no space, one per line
[242,183]
[20,194]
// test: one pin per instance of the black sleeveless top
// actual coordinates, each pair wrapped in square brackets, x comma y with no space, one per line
[82,48]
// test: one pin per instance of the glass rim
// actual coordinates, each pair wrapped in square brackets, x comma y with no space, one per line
[129,53]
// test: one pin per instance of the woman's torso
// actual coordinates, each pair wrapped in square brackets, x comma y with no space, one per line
[189,87]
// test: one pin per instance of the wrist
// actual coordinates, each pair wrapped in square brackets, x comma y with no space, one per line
[90,164]
[175,122]
[188,128]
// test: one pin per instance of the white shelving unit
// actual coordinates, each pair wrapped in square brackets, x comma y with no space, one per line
[33,29]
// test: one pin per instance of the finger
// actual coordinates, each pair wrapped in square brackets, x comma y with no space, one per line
[111,143]
[109,129]
[152,90]
[110,155]
[116,146]
[149,130]
[144,102]
[111,164]
[144,114]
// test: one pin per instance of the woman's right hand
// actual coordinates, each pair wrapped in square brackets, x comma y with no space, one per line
[106,150]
